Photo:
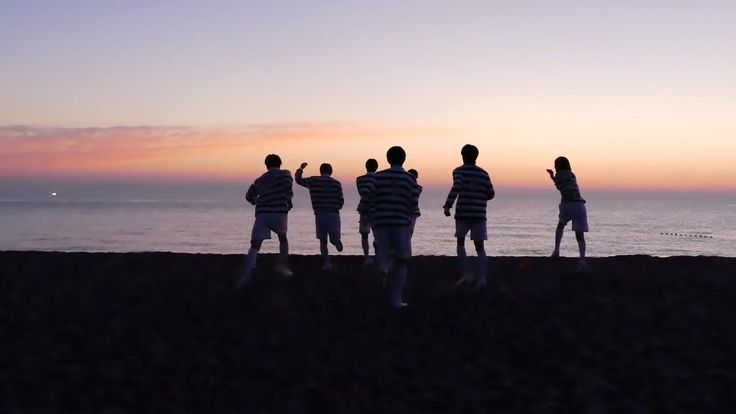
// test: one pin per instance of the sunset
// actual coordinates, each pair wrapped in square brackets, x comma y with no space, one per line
[410,206]
[631,92]
[609,155]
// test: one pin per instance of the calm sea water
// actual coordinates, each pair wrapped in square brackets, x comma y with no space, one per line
[519,225]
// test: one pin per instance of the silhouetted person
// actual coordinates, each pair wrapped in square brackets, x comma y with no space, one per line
[327,200]
[472,187]
[394,196]
[415,213]
[572,208]
[272,195]
[365,185]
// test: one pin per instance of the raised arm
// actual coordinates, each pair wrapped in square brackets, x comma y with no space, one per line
[298,176]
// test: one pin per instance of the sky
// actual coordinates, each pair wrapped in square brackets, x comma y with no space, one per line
[640,95]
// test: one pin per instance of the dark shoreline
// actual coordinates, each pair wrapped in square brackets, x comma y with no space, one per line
[166,332]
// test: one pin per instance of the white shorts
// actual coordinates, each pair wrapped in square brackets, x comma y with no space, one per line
[269,222]
[477,228]
[364,223]
[575,212]
[328,224]
[392,240]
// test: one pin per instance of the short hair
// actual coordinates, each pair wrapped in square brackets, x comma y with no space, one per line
[469,153]
[371,165]
[414,172]
[562,164]
[396,156]
[273,160]
[325,169]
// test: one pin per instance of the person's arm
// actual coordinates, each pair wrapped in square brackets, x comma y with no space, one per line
[457,183]
[341,199]
[290,191]
[369,188]
[251,194]
[551,175]
[417,193]
[362,187]
[491,191]
[304,182]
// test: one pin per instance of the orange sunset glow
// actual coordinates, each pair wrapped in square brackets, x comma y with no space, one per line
[515,156]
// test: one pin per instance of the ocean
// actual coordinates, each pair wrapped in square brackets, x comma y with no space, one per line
[520,224]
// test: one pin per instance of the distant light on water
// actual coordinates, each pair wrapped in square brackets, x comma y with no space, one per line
[53,194]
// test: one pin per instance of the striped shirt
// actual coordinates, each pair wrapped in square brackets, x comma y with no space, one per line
[472,187]
[325,192]
[394,197]
[566,182]
[365,184]
[271,192]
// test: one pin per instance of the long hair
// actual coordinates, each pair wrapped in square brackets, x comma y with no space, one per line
[562,164]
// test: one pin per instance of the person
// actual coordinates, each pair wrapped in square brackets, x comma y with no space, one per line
[572,208]
[394,196]
[327,200]
[272,195]
[472,187]
[365,184]
[415,213]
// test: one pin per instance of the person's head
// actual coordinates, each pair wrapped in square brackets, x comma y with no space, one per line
[325,169]
[414,172]
[273,161]
[396,156]
[469,153]
[371,165]
[562,164]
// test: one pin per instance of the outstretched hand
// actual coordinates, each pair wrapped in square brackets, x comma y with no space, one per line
[551,173]
[304,165]
[447,212]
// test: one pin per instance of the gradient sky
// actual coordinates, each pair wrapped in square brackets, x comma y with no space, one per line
[638,94]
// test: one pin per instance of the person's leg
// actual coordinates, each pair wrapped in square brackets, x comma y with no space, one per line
[250,263]
[261,231]
[558,238]
[462,256]
[482,262]
[375,241]
[401,245]
[398,279]
[380,243]
[365,244]
[580,236]
[326,264]
[283,266]
[479,234]
[583,265]
[461,230]
[335,232]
